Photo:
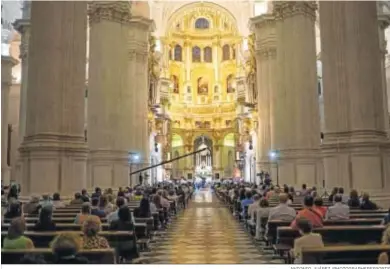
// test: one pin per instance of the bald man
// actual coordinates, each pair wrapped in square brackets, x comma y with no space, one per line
[282,211]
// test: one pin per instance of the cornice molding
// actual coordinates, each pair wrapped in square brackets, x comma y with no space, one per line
[114,11]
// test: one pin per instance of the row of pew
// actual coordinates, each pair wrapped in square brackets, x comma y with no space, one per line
[146,230]
[345,240]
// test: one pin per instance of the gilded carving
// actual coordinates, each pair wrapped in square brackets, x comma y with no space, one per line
[115,11]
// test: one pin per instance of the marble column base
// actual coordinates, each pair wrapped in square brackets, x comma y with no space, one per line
[357,165]
[108,169]
[53,163]
[297,167]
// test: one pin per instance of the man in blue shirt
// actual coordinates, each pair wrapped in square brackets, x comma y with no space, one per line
[246,202]
[95,210]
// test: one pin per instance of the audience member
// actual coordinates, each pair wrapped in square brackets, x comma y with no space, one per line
[13,194]
[14,210]
[332,194]
[261,214]
[344,198]
[124,221]
[138,195]
[164,202]
[91,239]
[282,211]
[46,202]
[33,206]
[143,211]
[318,205]
[246,202]
[84,195]
[15,238]
[45,222]
[384,257]
[95,210]
[97,193]
[307,239]
[120,201]
[252,209]
[309,213]
[338,211]
[367,204]
[304,190]
[271,192]
[78,200]
[57,203]
[84,214]
[353,200]
[65,247]
[386,219]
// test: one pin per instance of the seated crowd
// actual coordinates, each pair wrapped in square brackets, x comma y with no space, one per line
[108,208]
[266,203]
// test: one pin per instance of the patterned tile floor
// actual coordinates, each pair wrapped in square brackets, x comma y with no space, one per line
[207,233]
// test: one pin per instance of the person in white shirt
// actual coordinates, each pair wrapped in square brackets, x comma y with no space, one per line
[262,213]
[338,211]
[282,211]
[252,208]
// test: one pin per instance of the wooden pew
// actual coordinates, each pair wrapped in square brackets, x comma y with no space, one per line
[350,254]
[94,256]
[275,224]
[43,239]
[335,234]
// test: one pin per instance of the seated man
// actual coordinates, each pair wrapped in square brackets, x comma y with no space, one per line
[309,213]
[339,210]
[246,202]
[307,239]
[254,207]
[282,211]
[95,210]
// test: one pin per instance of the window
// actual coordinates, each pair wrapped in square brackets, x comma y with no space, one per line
[202,23]
[208,55]
[196,55]
[178,53]
[226,52]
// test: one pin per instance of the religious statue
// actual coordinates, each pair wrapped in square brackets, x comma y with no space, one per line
[153,70]
[250,69]
[175,81]
[230,84]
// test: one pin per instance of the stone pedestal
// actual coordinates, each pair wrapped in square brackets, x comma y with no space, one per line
[297,121]
[109,97]
[264,28]
[355,146]
[137,77]
[54,152]
[7,63]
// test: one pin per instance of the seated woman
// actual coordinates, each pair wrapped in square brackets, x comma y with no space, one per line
[85,213]
[14,210]
[354,201]
[261,213]
[91,239]
[57,203]
[125,221]
[110,207]
[45,222]
[367,204]
[33,206]
[46,201]
[164,202]
[65,248]
[143,211]
[15,238]
[104,205]
[78,199]
[307,239]
[384,257]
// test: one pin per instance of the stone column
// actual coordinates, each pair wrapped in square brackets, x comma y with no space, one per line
[297,121]
[355,146]
[264,28]
[137,77]
[7,62]
[383,23]
[23,27]
[110,102]
[54,152]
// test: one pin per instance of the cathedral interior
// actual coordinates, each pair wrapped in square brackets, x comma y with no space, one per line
[147,82]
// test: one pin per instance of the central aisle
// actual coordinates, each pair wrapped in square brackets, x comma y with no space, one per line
[206,232]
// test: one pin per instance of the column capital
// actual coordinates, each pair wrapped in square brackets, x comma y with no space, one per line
[261,22]
[286,9]
[384,21]
[115,11]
